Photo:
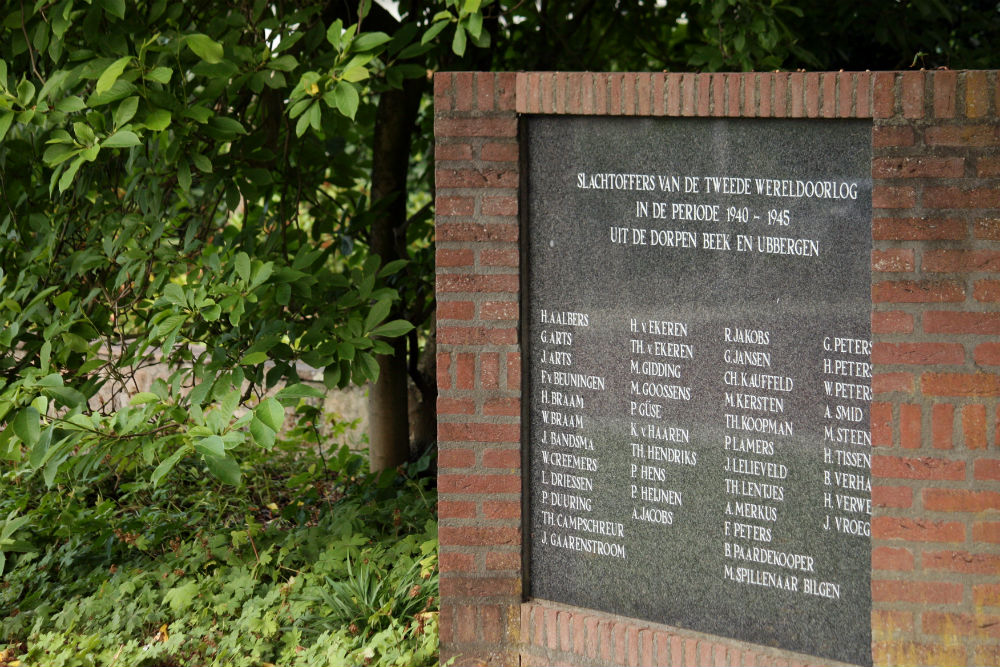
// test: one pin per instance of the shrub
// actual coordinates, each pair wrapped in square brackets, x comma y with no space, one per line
[312,561]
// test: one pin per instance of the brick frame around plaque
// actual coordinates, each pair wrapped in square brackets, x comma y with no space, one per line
[935,417]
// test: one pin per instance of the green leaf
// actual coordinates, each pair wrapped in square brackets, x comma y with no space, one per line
[433,31]
[414,50]
[200,392]
[212,446]
[5,121]
[55,82]
[167,465]
[369,365]
[355,74]
[346,351]
[211,313]
[160,74]
[242,264]
[271,413]
[291,394]
[120,90]
[27,426]
[472,6]
[25,92]
[144,397]
[202,163]
[366,285]
[198,114]
[359,60]
[67,177]
[368,41]
[458,42]
[55,379]
[84,133]
[253,359]
[11,525]
[409,71]
[70,104]
[44,358]
[346,97]
[157,120]
[392,329]
[474,24]
[9,448]
[392,267]
[170,324]
[377,313]
[262,434]
[229,403]
[111,74]
[236,313]
[184,175]
[121,139]
[69,397]
[205,47]
[315,116]
[229,126]
[285,63]
[40,449]
[273,79]
[334,32]
[331,376]
[261,273]
[181,597]
[225,469]
[174,293]
[113,7]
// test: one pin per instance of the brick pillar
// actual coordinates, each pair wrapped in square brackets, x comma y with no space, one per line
[479,366]
[936,285]
[935,420]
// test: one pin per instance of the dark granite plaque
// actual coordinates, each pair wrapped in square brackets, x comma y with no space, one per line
[697,340]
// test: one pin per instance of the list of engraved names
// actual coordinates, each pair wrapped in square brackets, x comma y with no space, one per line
[698,375]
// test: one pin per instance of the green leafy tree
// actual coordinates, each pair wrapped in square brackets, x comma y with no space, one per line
[740,35]
[197,185]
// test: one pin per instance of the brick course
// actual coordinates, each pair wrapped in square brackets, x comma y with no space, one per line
[935,419]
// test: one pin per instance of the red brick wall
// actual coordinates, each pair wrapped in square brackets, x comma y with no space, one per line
[935,320]
[478,365]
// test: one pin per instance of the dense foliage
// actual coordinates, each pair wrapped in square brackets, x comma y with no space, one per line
[740,35]
[313,562]
[188,183]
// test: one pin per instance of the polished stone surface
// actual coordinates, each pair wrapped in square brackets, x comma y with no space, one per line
[697,345]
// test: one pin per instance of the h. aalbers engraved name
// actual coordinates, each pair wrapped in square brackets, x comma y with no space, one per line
[564,318]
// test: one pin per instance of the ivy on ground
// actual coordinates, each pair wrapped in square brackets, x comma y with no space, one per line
[314,561]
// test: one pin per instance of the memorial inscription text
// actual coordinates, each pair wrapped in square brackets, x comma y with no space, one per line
[698,375]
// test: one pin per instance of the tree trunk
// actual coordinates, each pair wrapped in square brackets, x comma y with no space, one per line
[423,394]
[395,120]
[389,430]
